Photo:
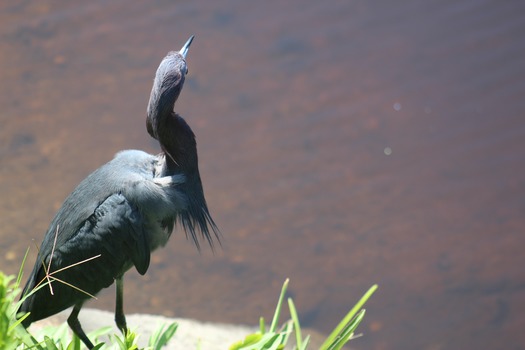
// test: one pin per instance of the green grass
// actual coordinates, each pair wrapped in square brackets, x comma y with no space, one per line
[277,338]
[14,336]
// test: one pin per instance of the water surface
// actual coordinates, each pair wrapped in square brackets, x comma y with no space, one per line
[341,143]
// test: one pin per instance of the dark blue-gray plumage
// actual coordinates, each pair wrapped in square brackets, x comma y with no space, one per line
[123,211]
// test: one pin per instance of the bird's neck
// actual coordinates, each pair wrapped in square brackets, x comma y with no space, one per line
[178,144]
[164,94]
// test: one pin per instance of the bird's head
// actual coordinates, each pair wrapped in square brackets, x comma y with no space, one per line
[167,85]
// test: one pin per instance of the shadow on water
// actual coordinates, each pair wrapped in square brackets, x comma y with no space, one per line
[341,144]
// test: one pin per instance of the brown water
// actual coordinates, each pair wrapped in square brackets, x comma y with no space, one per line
[341,144]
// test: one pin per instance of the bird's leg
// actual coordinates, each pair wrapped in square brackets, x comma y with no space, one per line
[120,318]
[74,324]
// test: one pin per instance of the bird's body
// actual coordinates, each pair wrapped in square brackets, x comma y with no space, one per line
[123,211]
[122,215]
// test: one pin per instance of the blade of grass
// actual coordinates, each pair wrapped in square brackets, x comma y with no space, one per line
[51,259]
[74,344]
[21,270]
[262,326]
[286,332]
[305,343]
[162,336]
[331,338]
[277,313]
[347,332]
[297,326]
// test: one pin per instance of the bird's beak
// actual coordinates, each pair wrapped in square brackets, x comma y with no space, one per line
[186,47]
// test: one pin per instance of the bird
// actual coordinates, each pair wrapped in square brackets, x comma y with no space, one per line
[119,214]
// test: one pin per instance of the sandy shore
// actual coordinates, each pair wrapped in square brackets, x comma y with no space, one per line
[191,334]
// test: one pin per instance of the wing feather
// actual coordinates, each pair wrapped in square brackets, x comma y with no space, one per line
[115,231]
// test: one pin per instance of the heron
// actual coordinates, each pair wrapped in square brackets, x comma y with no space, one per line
[119,214]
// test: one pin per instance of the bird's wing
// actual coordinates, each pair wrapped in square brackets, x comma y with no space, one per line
[77,208]
[115,229]
[113,237]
